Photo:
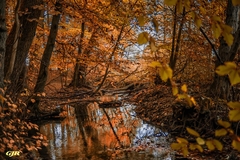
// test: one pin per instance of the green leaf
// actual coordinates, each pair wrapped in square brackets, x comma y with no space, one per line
[220,132]
[192,132]
[224,124]
[142,38]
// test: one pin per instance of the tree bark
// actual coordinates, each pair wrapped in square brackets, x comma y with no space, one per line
[13,52]
[79,78]
[221,85]
[28,28]
[43,73]
[3,36]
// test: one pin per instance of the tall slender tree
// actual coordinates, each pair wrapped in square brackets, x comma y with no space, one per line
[43,73]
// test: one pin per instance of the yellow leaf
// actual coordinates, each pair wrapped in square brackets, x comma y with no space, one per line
[187,4]
[185,151]
[236,145]
[195,146]
[175,90]
[165,73]
[210,145]
[216,18]
[217,144]
[184,88]
[142,38]
[220,132]
[193,101]
[176,146]
[141,20]
[202,10]
[152,45]
[182,140]
[227,28]
[224,124]
[179,6]
[228,37]
[200,148]
[226,68]
[234,105]
[236,2]
[155,64]
[234,115]
[234,77]
[193,14]
[155,24]
[216,30]
[200,141]
[192,146]
[182,96]
[198,22]
[192,132]
[170,2]
[230,131]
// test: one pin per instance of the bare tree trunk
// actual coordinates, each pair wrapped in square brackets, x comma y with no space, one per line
[3,36]
[43,73]
[28,28]
[175,49]
[79,78]
[14,47]
[221,85]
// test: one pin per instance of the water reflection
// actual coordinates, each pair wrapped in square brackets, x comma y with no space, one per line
[90,132]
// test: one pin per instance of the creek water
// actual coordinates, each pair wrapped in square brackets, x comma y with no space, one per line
[93,133]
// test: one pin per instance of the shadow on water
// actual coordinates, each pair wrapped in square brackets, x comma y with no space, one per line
[90,132]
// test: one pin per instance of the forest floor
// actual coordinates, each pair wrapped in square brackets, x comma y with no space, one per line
[159,107]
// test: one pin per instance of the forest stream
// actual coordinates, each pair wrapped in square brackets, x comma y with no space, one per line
[94,133]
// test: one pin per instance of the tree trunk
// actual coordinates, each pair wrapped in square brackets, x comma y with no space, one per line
[221,85]
[28,28]
[43,73]
[3,36]
[79,78]
[13,52]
